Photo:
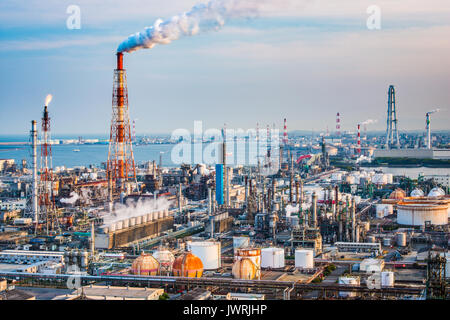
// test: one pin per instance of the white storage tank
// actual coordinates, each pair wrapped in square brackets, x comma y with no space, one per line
[165,259]
[384,210]
[354,281]
[155,215]
[160,214]
[208,252]
[119,225]
[389,178]
[272,258]
[126,223]
[150,217]
[132,222]
[304,258]
[387,279]
[144,218]
[401,239]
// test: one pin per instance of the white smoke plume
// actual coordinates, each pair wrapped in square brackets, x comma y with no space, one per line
[73,198]
[434,111]
[369,121]
[134,208]
[48,99]
[201,18]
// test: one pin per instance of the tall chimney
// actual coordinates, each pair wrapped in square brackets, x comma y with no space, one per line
[34,195]
[246,191]
[353,220]
[314,210]
[92,239]
[297,192]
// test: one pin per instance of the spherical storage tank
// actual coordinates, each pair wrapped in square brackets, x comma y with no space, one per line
[208,252]
[187,265]
[244,269]
[165,259]
[417,193]
[272,258]
[304,258]
[145,265]
[436,192]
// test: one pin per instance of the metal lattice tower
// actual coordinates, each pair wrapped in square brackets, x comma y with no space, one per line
[436,284]
[391,130]
[120,165]
[46,199]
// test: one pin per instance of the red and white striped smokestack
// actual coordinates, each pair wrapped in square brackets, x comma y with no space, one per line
[359,139]
[338,124]
[285,135]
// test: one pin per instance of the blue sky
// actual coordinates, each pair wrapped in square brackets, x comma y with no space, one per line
[303,60]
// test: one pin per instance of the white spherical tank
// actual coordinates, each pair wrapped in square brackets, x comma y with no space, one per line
[165,259]
[436,192]
[208,252]
[304,258]
[387,279]
[416,193]
[272,258]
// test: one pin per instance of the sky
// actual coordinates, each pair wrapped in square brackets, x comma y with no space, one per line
[304,60]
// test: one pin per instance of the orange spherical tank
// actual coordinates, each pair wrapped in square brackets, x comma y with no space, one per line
[244,269]
[145,265]
[397,194]
[187,265]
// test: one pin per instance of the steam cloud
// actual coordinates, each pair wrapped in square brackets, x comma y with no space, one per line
[135,209]
[201,18]
[48,99]
[369,121]
[73,198]
[434,111]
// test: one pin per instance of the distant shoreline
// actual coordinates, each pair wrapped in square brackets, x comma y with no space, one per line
[13,143]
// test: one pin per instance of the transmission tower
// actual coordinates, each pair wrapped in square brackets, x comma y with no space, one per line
[120,165]
[391,130]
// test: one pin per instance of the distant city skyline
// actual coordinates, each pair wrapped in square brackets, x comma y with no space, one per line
[301,60]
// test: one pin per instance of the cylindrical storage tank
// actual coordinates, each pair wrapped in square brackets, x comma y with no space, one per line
[304,258]
[401,239]
[187,265]
[370,239]
[166,213]
[389,178]
[244,269]
[126,223]
[384,210]
[272,258]
[160,214]
[254,254]
[119,225]
[144,218]
[416,214]
[132,222]
[387,242]
[165,259]
[138,220]
[387,279]
[155,215]
[353,281]
[145,265]
[208,252]
[150,217]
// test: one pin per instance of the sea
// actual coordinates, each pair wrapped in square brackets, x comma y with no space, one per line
[96,154]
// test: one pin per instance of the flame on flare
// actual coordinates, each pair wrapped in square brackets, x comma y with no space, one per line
[48,99]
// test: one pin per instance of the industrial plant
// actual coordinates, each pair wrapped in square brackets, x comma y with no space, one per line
[315,217]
